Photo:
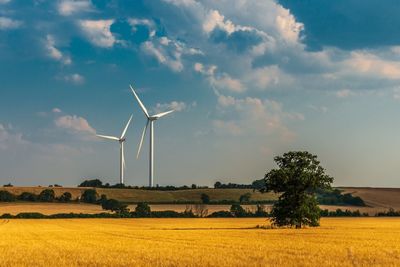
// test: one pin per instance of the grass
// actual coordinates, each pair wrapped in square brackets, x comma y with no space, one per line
[198,242]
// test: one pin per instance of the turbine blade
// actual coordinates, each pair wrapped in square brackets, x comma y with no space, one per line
[141,140]
[108,137]
[159,115]
[140,102]
[126,127]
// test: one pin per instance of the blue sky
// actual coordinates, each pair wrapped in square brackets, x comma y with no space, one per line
[248,80]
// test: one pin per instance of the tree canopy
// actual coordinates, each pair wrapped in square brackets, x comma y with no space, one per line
[298,177]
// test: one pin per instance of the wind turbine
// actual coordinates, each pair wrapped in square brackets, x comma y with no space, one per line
[121,141]
[150,120]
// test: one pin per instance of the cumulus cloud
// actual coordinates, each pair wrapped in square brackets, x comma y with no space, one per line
[70,7]
[76,125]
[368,64]
[169,52]
[9,24]
[55,53]
[98,32]
[56,110]
[219,80]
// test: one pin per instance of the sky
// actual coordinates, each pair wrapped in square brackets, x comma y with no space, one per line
[249,80]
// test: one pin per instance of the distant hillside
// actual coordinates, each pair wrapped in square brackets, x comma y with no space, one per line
[373,197]
[376,197]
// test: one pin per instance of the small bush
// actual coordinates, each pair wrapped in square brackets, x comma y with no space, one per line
[89,196]
[65,197]
[47,195]
[142,210]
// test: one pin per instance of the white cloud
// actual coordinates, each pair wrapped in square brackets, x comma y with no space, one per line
[169,52]
[9,24]
[2,2]
[287,26]
[55,53]
[70,7]
[98,32]
[74,78]
[8,139]
[215,19]
[56,110]
[368,64]
[219,80]
[174,105]
[76,125]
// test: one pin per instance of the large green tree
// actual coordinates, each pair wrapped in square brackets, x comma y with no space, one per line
[296,180]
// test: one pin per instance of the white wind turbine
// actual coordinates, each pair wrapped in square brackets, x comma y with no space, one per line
[121,141]
[150,120]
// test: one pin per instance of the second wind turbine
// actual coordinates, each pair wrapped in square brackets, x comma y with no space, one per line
[121,141]
[150,120]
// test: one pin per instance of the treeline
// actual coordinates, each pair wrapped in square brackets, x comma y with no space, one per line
[99,184]
[335,197]
[47,195]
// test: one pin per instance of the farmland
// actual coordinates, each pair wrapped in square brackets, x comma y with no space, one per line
[204,242]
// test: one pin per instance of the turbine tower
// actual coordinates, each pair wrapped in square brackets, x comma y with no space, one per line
[150,120]
[121,141]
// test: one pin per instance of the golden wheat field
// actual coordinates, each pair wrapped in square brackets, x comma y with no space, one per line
[198,242]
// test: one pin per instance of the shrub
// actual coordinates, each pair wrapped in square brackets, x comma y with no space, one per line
[30,215]
[6,196]
[6,216]
[205,199]
[142,210]
[27,196]
[245,198]
[113,205]
[89,196]
[65,197]
[47,195]
[238,211]
[221,214]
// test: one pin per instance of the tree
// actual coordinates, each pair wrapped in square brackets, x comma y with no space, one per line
[114,205]
[27,196]
[91,183]
[47,195]
[65,197]
[89,196]
[205,199]
[298,177]
[143,210]
[194,186]
[237,210]
[245,197]
[217,185]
